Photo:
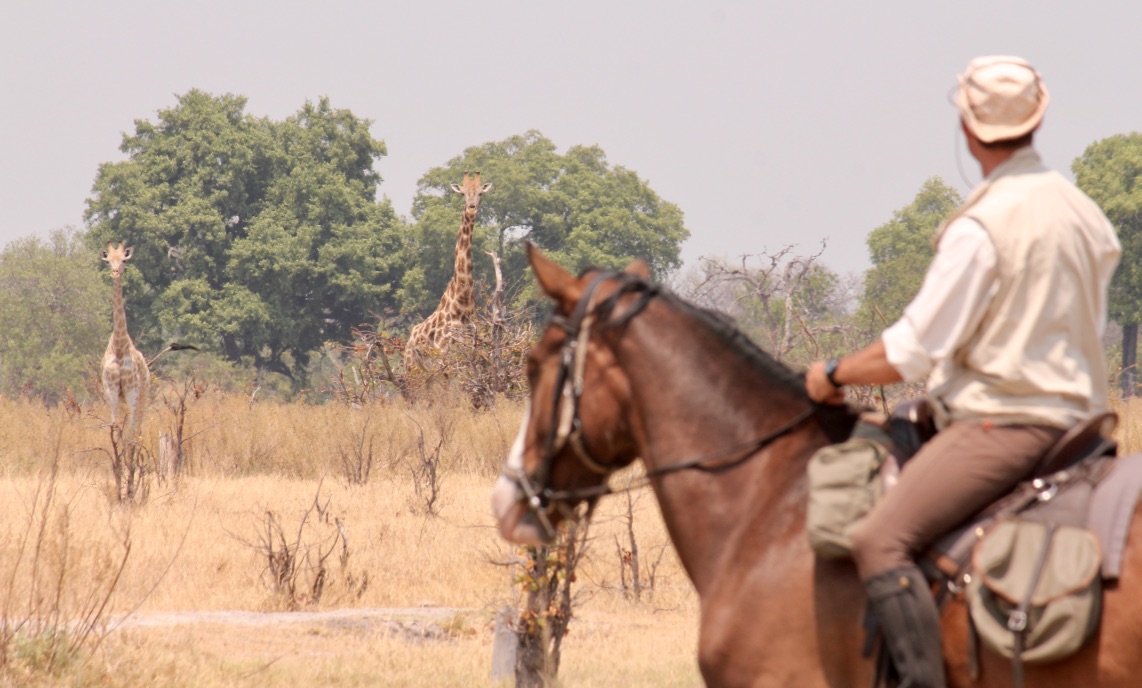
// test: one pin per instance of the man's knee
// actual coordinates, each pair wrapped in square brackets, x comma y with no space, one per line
[874,550]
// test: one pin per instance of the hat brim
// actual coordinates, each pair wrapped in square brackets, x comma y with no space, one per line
[990,133]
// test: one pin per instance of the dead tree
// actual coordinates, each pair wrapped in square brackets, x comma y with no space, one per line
[637,572]
[548,574]
[786,305]
[364,369]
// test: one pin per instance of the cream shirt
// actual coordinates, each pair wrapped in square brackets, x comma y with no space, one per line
[954,296]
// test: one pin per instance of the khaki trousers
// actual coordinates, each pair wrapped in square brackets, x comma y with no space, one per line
[963,469]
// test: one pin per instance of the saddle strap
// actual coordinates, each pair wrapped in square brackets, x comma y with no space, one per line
[1017,622]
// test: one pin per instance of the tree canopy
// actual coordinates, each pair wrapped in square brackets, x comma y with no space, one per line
[580,209]
[1109,172]
[900,251]
[56,312]
[262,239]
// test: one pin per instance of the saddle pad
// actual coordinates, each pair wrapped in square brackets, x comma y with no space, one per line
[1112,508]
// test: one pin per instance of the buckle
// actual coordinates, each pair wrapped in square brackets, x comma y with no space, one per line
[1017,622]
[1048,493]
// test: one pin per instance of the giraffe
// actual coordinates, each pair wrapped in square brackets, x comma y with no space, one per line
[457,304]
[125,372]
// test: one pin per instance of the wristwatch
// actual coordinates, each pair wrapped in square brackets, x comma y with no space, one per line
[831,371]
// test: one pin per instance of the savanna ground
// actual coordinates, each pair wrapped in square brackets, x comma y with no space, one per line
[306,545]
[392,582]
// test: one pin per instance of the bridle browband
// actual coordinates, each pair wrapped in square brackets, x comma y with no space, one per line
[567,429]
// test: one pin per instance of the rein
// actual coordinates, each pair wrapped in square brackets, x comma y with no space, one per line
[699,464]
[567,430]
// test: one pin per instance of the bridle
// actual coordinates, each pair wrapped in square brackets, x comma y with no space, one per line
[566,428]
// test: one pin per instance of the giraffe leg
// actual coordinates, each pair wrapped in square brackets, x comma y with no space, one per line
[111,390]
[132,397]
[141,381]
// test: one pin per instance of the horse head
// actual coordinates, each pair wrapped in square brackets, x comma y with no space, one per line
[578,426]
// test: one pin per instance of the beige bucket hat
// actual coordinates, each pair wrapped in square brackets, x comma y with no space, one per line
[1001,97]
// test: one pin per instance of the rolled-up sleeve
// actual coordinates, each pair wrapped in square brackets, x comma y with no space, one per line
[959,285]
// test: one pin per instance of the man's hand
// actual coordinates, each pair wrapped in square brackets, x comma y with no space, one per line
[819,388]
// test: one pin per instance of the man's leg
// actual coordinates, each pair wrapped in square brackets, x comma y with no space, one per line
[959,472]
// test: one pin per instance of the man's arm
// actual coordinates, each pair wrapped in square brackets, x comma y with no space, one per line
[957,288]
[869,366]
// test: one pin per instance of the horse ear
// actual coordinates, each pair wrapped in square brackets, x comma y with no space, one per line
[639,268]
[556,282]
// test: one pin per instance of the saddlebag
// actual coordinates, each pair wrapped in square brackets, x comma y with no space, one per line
[1035,592]
[844,483]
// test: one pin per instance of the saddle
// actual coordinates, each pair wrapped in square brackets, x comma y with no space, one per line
[1082,456]
[1067,490]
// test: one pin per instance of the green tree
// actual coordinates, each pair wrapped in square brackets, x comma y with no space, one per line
[261,239]
[901,250]
[1110,172]
[56,312]
[576,206]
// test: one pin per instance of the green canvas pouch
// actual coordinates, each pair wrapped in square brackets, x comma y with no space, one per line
[843,487]
[1062,611]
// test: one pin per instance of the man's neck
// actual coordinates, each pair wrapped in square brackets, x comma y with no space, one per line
[991,159]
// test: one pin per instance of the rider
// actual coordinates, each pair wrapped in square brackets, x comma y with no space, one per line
[1007,328]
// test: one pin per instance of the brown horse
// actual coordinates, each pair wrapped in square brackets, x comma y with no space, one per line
[725,433]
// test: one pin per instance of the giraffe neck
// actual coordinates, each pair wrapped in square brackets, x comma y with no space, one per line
[120,340]
[458,300]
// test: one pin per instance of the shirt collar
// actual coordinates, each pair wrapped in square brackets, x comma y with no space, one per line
[1021,160]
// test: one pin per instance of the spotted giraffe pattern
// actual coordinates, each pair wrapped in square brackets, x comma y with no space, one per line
[454,314]
[126,377]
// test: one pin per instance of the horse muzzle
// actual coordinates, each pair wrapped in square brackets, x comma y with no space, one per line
[516,520]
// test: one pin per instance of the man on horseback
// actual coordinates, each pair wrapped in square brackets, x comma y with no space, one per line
[1007,329]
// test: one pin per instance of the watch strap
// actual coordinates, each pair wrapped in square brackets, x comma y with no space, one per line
[831,371]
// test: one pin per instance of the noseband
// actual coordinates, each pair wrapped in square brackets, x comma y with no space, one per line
[566,429]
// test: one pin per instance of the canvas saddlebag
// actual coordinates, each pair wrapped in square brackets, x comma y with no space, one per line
[844,484]
[1035,594]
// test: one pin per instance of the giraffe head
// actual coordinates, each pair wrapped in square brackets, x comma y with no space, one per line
[116,256]
[472,191]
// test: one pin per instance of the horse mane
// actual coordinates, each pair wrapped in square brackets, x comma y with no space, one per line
[719,324]
[725,329]
[836,421]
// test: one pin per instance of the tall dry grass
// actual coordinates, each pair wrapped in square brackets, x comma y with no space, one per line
[1129,432]
[195,546]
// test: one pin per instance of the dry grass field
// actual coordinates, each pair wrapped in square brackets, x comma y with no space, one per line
[177,589]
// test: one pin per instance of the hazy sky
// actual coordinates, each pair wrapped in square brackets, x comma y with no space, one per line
[767,123]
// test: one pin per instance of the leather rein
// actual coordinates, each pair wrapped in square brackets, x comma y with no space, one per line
[567,429]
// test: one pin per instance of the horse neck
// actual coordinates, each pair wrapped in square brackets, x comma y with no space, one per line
[699,397]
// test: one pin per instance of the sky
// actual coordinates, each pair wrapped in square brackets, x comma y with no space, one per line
[769,124]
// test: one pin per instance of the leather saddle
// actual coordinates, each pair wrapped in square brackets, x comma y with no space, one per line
[912,424]
[1080,456]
